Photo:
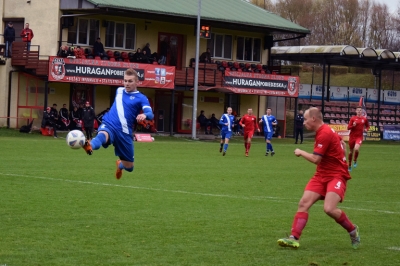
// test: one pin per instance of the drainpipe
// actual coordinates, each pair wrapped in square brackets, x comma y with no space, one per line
[9,96]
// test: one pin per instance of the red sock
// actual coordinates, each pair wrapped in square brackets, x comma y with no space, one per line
[248,146]
[299,222]
[355,156]
[345,222]
[350,157]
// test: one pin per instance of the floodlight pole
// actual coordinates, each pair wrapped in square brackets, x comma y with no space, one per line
[196,73]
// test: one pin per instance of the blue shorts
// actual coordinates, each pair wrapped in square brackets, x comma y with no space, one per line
[226,134]
[268,135]
[123,143]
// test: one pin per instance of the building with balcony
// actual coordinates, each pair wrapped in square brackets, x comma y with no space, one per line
[238,34]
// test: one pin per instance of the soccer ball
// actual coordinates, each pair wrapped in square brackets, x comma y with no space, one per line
[75,139]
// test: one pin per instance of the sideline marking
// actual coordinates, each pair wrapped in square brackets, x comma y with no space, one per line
[394,248]
[276,199]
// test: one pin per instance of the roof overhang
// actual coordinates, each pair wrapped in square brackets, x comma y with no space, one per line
[341,55]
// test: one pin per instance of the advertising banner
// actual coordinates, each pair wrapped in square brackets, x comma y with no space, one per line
[341,130]
[356,93]
[261,84]
[391,97]
[316,92]
[373,133]
[338,94]
[372,96]
[305,91]
[391,132]
[90,71]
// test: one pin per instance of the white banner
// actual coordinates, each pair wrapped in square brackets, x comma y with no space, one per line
[356,93]
[338,94]
[317,92]
[391,97]
[305,91]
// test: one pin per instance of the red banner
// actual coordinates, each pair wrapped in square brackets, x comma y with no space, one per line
[262,84]
[91,71]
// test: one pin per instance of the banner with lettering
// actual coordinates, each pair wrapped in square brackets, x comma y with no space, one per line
[338,94]
[305,91]
[391,97]
[261,84]
[104,72]
[391,132]
[373,133]
[356,93]
[316,92]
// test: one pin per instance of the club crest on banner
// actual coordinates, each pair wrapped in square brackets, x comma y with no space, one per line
[58,68]
[292,88]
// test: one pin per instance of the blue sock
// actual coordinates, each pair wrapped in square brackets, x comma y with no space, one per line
[122,167]
[267,147]
[270,146]
[97,141]
[225,147]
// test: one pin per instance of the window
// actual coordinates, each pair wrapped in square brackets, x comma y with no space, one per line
[220,46]
[85,32]
[120,35]
[248,49]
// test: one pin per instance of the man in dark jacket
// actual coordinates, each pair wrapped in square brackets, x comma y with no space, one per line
[88,120]
[9,38]
[49,120]
[299,120]
[63,115]
[98,48]
[203,121]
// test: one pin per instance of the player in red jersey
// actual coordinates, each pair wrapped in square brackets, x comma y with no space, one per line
[357,125]
[249,124]
[328,182]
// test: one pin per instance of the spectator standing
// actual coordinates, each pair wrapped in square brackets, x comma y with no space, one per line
[205,57]
[299,126]
[27,35]
[98,48]
[88,120]
[147,49]
[9,38]
[163,51]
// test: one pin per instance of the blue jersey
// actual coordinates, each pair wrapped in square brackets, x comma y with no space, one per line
[127,106]
[225,118]
[267,121]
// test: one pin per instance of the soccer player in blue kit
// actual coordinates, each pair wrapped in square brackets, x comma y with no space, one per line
[268,121]
[117,124]
[226,122]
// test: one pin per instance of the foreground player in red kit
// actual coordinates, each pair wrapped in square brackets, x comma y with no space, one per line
[357,125]
[328,182]
[249,124]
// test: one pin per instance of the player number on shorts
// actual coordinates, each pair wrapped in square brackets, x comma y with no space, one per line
[338,185]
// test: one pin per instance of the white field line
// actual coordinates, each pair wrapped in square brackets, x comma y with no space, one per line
[394,248]
[266,198]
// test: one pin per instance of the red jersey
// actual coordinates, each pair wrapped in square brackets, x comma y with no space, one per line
[357,130]
[249,122]
[328,145]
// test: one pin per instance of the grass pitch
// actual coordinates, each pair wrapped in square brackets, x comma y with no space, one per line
[186,204]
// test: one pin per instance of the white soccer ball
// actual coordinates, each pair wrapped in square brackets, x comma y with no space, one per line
[75,139]
[152,138]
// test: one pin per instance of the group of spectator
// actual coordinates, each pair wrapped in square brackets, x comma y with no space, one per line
[82,117]
[140,56]
[9,37]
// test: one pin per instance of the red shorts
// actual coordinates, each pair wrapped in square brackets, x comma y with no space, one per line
[322,186]
[354,141]
[248,134]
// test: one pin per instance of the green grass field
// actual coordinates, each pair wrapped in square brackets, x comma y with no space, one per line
[185,204]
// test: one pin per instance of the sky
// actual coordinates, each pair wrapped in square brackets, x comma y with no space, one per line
[392,4]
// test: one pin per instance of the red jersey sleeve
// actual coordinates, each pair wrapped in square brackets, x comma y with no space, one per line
[350,125]
[367,125]
[242,121]
[322,141]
